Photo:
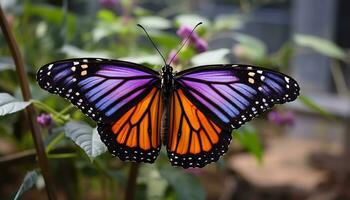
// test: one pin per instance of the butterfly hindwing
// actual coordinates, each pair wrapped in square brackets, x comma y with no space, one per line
[103,89]
[234,94]
[136,136]
[194,140]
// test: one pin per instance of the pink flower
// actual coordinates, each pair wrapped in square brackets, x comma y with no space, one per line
[201,45]
[172,55]
[108,3]
[281,118]
[184,31]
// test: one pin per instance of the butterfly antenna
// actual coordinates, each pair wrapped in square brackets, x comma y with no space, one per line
[139,25]
[183,44]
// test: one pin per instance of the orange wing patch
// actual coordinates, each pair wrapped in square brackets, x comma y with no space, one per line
[136,134]
[194,139]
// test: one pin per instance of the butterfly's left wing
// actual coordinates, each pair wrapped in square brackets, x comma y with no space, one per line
[208,102]
[124,98]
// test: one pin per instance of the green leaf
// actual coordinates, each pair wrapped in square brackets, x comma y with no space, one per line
[224,22]
[249,139]
[320,45]
[106,15]
[55,15]
[28,182]
[154,22]
[151,59]
[249,47]
[186,186]
[191,20]
[86,138]
[313,106]
[156,185]
[211,57]
[72,51]
[8,104]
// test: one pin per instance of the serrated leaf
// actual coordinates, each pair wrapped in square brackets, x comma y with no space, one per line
[249,139]
[320,45]
[28,182]
[86,138]
[154,22]
[186,186]
[8,104]
[210,57]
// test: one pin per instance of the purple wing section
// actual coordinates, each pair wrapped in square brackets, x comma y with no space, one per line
[102,89]
[235,94]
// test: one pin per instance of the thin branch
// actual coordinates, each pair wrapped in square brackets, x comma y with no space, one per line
[30,111]
[130,188]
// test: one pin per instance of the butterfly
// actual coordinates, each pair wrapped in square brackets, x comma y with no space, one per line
[198,107]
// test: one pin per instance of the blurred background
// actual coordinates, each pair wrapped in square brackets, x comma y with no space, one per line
[296,151]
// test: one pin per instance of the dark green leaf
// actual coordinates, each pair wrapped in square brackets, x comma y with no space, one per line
[51,14]
[186,186]
[249,139]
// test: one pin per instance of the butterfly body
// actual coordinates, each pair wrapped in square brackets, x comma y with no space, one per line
[199,107]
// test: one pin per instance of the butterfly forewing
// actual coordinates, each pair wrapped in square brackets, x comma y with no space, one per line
[103,89]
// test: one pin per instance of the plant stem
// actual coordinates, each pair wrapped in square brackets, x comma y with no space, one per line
[131,185]
[30,111]
[55,141]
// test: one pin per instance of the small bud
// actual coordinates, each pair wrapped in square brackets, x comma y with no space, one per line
[44,120]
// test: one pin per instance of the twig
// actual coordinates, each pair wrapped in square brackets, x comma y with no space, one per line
[17,157]
[30,111]
[130,188]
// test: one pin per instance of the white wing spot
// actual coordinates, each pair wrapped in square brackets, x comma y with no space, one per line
[50,66]
[287,79]
[259,72]
[251,73]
